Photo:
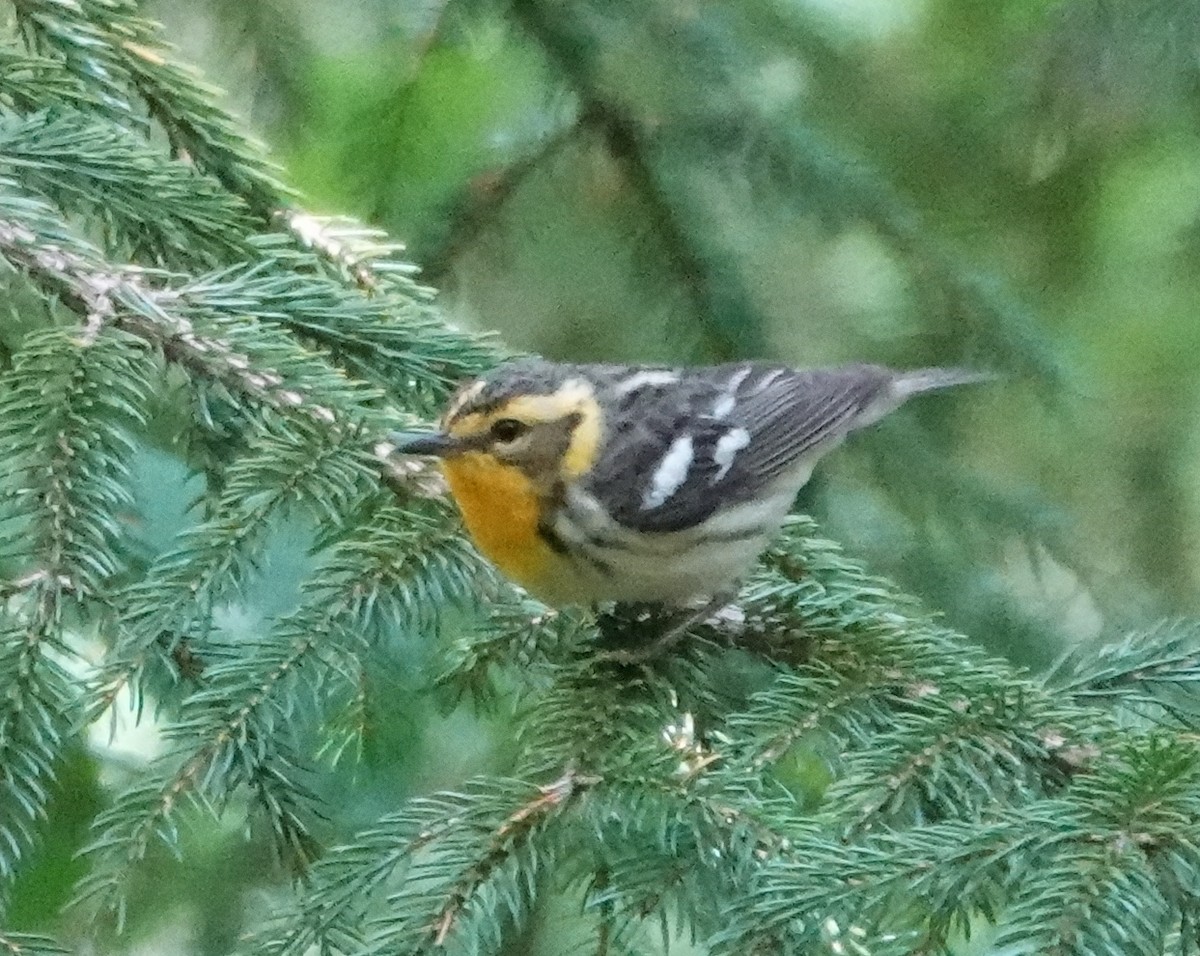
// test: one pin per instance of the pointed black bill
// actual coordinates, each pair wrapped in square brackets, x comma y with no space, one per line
[423,443]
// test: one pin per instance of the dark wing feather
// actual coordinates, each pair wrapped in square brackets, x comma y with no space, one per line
[786,413]
[799,411]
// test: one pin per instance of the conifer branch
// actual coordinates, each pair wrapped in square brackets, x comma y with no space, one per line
[108,45]
[94,389]
[200,323]
[855,699]
[363,255]
[29,82]
[65,406]
[944,759]
[783,839]
[516,828]
[483,832]
[34,721]
[1135,830]
[671,848]
[237,726]
[605,916]
[961,788]
[65,31]
[162,210]
[350,875]
[1153,672]
[236,729]
[343,742]
[390,337]
[525,635]
[27,944]
[589,718]
[875,676]
[130,299]
[214,558]
[1119,830]
[401,566]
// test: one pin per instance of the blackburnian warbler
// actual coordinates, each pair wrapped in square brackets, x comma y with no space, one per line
[590,483]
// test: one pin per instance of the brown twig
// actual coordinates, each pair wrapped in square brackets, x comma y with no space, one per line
[548,800]
[483,198]
[123,297]
[710,280]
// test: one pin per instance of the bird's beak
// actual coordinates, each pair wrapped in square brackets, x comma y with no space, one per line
[438,444]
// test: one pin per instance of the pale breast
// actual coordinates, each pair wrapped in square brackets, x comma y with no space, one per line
[611,563]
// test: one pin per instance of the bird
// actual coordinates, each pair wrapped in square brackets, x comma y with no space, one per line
[639,484]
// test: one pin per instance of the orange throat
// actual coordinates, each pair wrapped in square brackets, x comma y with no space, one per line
[500,508]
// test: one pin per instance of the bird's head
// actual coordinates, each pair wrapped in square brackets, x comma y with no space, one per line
[533,416]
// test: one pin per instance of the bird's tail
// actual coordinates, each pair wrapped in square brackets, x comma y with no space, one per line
[920,380]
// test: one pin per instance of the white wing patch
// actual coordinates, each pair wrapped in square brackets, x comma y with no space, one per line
[723,406]
[642,379]
[728,400]
[736,379]
[671,472]
[728,445]
[765,382]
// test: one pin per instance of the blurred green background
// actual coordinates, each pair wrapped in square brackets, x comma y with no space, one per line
[1007,184]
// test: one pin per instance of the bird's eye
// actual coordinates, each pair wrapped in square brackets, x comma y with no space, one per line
[508,429]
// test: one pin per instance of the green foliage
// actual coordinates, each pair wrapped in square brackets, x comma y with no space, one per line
[1150,673]
[822,767]
[150,209]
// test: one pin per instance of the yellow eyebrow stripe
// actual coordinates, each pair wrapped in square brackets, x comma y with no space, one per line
[570,397]
[573,397]
[585,439]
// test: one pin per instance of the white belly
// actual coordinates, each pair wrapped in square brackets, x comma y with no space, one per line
[612,563]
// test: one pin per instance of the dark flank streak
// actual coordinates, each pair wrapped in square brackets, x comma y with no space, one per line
[556,544]
[598,563]
[552,538]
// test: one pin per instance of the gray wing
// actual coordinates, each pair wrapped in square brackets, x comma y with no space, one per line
[721,434]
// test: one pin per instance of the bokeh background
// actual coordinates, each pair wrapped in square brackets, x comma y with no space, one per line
[1011,184]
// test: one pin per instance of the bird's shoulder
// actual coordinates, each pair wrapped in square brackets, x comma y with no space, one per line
[681,442]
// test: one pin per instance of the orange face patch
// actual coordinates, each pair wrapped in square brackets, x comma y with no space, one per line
[500,508]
